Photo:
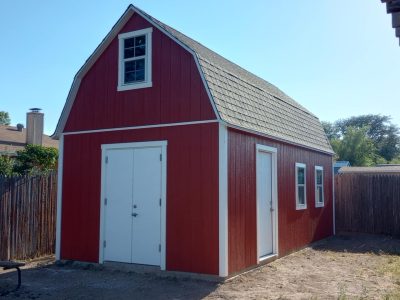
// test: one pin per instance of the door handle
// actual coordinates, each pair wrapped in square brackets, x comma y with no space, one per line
[134,214]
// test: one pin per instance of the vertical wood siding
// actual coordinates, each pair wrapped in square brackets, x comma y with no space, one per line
[192,194]
[297,228]
[177,94]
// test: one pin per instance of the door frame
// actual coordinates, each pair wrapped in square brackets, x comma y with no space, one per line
[274,176]
[163,208]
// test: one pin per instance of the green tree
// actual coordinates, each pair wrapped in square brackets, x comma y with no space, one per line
[4,118]
[355,147]
[6,166]
[331,130]
[381,131]
[35,159]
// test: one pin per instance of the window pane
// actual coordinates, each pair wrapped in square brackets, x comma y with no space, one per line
[140,75]
[140,40]
[128,53]
[130,66]
[319,176]
[139,51]
[300,191]
[129,77]
[300,175]
[320,197]
[140,64]
[129,43]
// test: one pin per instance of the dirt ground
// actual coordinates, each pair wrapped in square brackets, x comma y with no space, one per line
[342,267]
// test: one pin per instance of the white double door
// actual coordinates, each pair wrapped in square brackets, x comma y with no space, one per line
[265,209]
[132,211]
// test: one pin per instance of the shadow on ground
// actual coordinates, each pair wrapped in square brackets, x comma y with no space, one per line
[360,243]
[68,282]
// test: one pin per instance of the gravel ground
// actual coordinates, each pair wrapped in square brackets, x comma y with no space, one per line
[342,267]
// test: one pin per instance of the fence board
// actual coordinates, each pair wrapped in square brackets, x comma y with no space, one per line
[27,216]
[368,203]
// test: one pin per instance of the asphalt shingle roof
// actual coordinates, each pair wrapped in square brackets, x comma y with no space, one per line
[245,100]
[12,140]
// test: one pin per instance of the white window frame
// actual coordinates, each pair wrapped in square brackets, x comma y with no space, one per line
[319,204]
[298,205]
[147,58]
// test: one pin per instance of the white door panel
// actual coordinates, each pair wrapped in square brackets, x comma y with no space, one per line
[118,220]
[132,216]
[146,203]
[264,198]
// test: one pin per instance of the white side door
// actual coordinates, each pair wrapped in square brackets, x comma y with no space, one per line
[264,204]
[146,225]
[118,193]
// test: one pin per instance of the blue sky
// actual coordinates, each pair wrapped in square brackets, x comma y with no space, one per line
[337,58]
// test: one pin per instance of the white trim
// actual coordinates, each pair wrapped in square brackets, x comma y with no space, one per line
[223,201]
[140,127]
[203,79]
[298,205]
[59,196]
[163,145]
[100,49]
[102,196]
[319,204]
[274,176]
[134,145]
[147,59]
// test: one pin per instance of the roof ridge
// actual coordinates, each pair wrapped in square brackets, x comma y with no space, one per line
[169,29]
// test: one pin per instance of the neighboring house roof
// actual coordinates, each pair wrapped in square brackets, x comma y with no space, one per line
[242,99]
[371,170]
[341,163]
[12,140]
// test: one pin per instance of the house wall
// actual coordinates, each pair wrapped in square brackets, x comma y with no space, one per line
[177,94]
[192,194]
[297,228]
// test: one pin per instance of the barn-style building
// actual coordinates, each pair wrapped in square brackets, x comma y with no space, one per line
[173,156]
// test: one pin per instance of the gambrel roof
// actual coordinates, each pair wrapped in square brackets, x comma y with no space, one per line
[242,99]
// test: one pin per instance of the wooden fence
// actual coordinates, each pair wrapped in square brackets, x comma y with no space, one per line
[27,216]
[368,203]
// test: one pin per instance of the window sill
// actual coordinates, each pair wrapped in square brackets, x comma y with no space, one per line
[135,86]
[319,204]
[302,207]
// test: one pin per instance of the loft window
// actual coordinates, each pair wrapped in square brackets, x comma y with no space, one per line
[301,199]
[319,186]
[134,68]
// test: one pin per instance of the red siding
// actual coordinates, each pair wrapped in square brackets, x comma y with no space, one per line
[192,194]
[177,95]
[297,228]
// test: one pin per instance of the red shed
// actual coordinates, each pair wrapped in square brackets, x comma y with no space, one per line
[173,156]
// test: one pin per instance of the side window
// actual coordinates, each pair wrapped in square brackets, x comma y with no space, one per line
[134,66]
[301,199]
[319,186]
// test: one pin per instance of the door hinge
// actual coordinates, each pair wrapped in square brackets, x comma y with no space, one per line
[104,244]
[105,201]
[107,159]
[159,247]
[160,157]
[160,201]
